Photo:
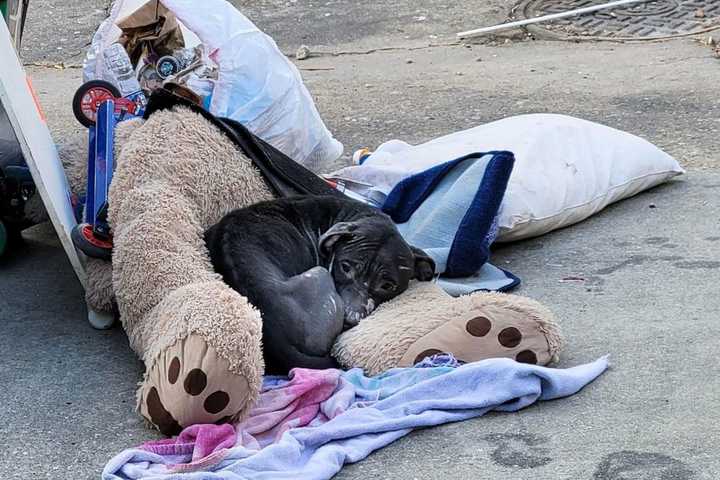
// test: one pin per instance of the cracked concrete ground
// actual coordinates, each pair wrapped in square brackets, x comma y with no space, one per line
[649,298]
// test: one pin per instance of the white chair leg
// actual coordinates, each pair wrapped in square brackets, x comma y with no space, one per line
[100,320]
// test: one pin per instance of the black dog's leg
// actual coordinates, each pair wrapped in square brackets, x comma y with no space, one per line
[302,317]
[318,307]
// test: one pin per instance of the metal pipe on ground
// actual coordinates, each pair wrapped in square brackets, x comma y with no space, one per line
[504,26]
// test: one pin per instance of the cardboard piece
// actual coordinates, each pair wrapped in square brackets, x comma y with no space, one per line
[152,25]
[38,148]
[123,9]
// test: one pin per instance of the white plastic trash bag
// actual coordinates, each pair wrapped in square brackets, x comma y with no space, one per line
[256,85]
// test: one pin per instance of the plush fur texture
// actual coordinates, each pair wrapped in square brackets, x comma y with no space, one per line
[176,175]
[424,310]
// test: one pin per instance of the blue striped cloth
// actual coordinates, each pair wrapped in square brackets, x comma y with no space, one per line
[450,211]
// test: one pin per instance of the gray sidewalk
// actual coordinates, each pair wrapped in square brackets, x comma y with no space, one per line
[649,299]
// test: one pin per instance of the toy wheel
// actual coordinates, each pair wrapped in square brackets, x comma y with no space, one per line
[3,238]
[167,66]
[87,242]
[88,98]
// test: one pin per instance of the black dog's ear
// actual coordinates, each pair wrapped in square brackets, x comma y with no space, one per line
[336,232]
[424,265]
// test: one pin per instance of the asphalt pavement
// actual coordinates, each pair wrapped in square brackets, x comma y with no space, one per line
[650,265]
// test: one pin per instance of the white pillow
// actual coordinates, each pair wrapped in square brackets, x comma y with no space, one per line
[566,169]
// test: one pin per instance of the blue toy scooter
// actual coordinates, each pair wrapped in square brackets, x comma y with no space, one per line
[98,105]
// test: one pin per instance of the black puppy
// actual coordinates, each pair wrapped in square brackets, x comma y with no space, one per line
[314,266]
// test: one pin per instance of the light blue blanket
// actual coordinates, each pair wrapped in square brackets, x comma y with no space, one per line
[385,408]
[450,212]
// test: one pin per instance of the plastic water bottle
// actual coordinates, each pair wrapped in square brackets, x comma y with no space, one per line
[119,70]
[90,64]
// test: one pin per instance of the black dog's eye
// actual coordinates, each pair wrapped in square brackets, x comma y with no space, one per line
[387,286]
[346,266]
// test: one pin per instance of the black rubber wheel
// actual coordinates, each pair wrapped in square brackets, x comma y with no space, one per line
[88,97]
[85,240]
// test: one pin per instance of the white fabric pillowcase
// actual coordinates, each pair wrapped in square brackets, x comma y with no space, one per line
[566,169]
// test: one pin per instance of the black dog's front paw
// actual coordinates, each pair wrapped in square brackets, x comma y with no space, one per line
[307,312]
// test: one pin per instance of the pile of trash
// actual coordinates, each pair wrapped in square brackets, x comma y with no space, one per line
[148,54]
[212,55]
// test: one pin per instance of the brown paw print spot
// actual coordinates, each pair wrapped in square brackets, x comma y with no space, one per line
[174,370]
[526,356]
[159,416]
[216,402]
[427,353]
[510,337]
[478,326]
[195,382]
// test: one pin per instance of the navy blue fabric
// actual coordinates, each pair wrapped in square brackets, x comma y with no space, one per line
[410,193]
[469,250]
[515,281]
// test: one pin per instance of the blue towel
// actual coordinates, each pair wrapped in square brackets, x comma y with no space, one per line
[386,408]
[450,212]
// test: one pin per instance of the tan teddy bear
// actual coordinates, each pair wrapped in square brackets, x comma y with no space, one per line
[176,175]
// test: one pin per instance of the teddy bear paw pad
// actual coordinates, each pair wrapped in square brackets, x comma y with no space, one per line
[190,384]
[490,332]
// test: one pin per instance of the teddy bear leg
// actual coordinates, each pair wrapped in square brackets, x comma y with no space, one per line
[99,294]
[189,384]
[490,325]
[425,320]
[203,357]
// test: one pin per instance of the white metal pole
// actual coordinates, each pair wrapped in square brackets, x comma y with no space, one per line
[503,26]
